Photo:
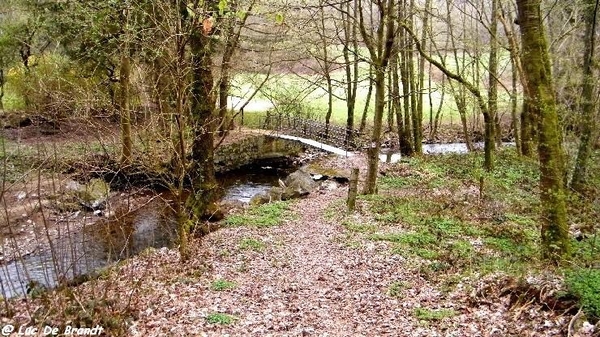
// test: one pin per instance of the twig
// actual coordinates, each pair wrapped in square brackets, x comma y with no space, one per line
[572,323]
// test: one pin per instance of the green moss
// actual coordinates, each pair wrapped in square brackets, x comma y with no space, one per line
[221,285]
[251,244]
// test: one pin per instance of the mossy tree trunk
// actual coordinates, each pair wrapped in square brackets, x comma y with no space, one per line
[204,194]
[542,103]
[588,107]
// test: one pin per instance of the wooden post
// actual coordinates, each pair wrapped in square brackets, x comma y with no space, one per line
[352,190]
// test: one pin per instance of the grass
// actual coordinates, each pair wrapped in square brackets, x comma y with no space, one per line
[251,244]
[425,314]
[354,226]
[441,218]
[267,215]
[221,285]
[395,288]
[220,318]
[291,92]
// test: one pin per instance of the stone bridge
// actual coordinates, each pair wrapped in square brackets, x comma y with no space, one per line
[302,129]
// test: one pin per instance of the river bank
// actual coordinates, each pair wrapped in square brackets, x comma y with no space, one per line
[431,255]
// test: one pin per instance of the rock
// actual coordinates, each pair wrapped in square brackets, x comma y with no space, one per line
[329,185]
[94,194]
[273,194]
[319,177]
[300,180]
[230,205]
[91,196]
[21,195]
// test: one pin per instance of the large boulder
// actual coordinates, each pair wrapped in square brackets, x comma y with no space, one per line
[301,182]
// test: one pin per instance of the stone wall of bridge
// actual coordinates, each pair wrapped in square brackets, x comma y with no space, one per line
[251,149]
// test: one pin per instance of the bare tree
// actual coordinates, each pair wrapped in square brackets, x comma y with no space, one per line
[379,40]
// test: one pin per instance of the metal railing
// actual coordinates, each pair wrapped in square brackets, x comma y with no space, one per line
[329,134]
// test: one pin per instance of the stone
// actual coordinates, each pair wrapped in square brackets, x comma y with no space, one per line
[300,180]
[91,196]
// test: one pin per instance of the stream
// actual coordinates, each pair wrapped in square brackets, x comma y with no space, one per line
[97,245]
[391,156]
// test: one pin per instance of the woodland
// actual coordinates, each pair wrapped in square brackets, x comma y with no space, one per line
[114,111]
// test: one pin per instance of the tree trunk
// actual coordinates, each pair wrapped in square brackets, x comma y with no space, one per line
[515,125]
[536,64]
[124,74]
[223,94]
[202,200]
[438,114]
[370,186]
[2,89]
[406,93]
[495,131]
[403,136]
[421,80]
[461,105]
[380,46]
[390,107]
[588,108]
[363,119]
[329,102]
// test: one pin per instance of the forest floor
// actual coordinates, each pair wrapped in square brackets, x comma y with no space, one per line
[435,253]
[428,256]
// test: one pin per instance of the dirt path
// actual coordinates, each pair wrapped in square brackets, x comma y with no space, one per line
[314,278]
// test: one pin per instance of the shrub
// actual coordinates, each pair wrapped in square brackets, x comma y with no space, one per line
[585,285]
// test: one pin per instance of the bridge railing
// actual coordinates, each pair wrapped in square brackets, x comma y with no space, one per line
[330,134]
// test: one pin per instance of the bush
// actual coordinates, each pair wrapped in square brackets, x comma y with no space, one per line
[55,87]
[585,285]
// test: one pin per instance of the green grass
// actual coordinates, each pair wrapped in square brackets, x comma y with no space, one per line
[221,285]
[456,232]
[395,288]
[251,244]
[291,92]
[358,227]
[220,318]
[267,215]
[425,314]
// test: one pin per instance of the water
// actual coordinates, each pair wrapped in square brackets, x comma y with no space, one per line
[92,247]
[394,157]
[106,241]
[241,185]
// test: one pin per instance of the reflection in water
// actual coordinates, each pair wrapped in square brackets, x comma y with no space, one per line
[242,185]
[95,246]
[92,247]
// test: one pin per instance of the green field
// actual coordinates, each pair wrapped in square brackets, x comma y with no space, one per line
[308,95]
